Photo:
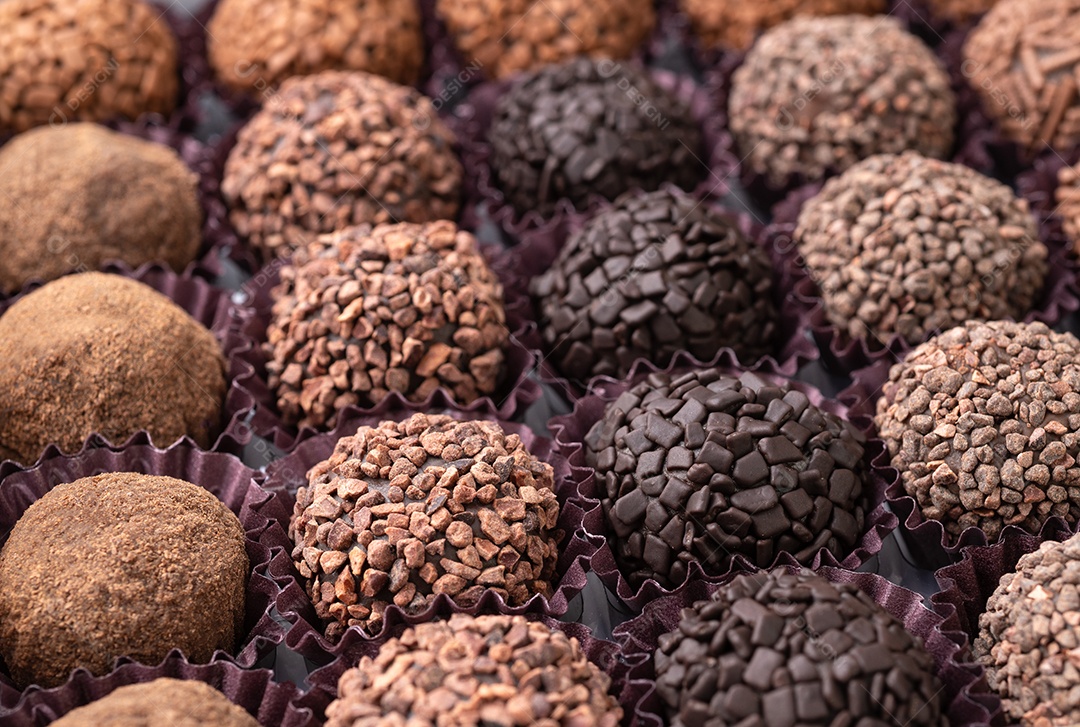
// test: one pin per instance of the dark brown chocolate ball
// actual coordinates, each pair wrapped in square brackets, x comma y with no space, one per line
[737,23]
[162,702]
[120,564]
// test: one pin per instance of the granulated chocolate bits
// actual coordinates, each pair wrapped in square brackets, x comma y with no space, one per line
[737,23]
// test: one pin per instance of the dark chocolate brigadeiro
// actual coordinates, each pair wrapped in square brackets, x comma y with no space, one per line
[737,23]
[983,423]
[406,511]
[902,245]
[399,308]
[782,648]
[702,466]
[590,127]
[476,670]
[816,95]
[655,274]
[1067,197]
[162,702]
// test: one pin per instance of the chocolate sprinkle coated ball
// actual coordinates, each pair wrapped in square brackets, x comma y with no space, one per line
[362,313]
[507,36]
[1067,197]
[1029,633]
[737,23]
[816,95]
[91,60]
[589,128]
[702,466]
[905,245]
[160,703]
[780,648]
[338,149]
[959,11]
[655,274]
[983,423]
[406,511]
[120,564]
[474,671]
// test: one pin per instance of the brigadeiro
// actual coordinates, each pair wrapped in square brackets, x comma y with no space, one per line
[816,95]
[120,564]
[590,127]
[655,274]
[502,37]
[162,702]
[702,466]
[789,647]
[406,511]
[736,23]
[1067,198]
[398,308]
[91,61]
[80,195]
[338,149]
[903,246]
[254,46]
[983,422]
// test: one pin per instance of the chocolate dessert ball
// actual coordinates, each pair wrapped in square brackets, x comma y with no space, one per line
[338,149]
[902,245]
[92,60]
[253,46]
[983,422]
[816,95]
[406,511]
[1067,196]
[120,564]
[655,274]
[590,127]
[77,196]
[786,647]
[959,11]
[161,703]
[503,37]
[736,23]
[517,672]
[101,353]
[366,312]
[701,466]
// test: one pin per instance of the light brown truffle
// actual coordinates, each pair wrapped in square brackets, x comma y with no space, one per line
[102,353]
[161,703]
[736,23]
[77,196]
[120,564]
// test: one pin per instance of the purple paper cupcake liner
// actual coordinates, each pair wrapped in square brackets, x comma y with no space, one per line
[967,696]
[569,432]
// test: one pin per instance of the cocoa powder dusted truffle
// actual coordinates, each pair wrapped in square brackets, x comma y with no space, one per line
[701,466]
[120,564]
[783,648]
[366,312]
[101,353]
[590,127]
[77,196]
[160,703]
[503,37]
[91,61]
[983,422]
[655,274]
[902,245]
[736,23]
[406,511]
[1067,196]
[338,149]
[816,95]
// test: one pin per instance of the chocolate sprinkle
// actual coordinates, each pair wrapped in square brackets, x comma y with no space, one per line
[737,23]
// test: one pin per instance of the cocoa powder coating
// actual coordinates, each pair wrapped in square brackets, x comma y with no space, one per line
[162,702]
[736,23]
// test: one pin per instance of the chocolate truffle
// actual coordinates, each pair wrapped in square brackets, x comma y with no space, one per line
[1022,59]
[958,11]
[77,196]
[1067,197]
[253,46]
[587,128]
[1028,637]
[102,353]
[983,422]
[406,511]
[502,37]
[366,312]
[737,23]
[91,61]
[816,95]
[786,647]
[161,703]
[476,670]
[701,466]
[902,245]
[120,564]
[655,274]
[338,149]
